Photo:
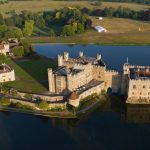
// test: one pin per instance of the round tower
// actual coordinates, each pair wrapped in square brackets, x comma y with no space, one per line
[60,60]
[98,57]
[80,54]
[66,56]
[51,81]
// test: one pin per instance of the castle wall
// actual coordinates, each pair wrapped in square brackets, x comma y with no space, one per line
[139,89]
[81,78]
[116,83]
[96,89]
[7,76]
[99,73]
[108,78]
[60,84]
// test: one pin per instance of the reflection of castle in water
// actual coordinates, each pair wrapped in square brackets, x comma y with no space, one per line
[137,113]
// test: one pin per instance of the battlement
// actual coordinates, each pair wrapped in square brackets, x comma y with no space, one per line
[112,71]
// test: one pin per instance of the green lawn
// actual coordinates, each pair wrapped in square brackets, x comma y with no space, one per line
[31,74]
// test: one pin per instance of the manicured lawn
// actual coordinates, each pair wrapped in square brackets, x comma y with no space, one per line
[31,74]
[42,5]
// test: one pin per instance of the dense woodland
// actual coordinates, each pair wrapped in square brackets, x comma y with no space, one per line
[61,22]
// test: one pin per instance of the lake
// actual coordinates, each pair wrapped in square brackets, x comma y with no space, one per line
[108,128]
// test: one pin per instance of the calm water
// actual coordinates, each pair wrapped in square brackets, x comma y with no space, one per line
[105,129]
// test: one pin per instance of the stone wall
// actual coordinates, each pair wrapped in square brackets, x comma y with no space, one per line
[49,98]
[139,89]
[23,102]
[7,76]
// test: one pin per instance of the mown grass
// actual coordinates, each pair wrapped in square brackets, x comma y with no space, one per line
[31,74]
[36,6]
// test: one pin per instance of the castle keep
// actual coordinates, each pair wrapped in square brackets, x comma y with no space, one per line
[85,75]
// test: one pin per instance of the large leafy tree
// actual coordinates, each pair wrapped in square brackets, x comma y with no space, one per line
[28,28]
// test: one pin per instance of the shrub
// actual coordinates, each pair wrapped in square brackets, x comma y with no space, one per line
[43,105]
[18,51]
[5,102]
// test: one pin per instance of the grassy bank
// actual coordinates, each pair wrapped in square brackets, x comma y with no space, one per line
[31,73]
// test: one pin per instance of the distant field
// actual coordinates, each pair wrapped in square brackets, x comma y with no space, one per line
[36,6]
[120,32]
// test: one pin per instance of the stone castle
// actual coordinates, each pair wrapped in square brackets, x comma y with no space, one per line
[83,76]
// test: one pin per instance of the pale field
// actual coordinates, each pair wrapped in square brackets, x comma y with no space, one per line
[36,6]
[119,25]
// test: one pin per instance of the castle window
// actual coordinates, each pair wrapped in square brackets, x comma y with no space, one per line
[144,86]
[132,93]
[134,86]
[140,93]
[148,93]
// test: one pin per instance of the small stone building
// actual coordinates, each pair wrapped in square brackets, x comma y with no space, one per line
[6,73]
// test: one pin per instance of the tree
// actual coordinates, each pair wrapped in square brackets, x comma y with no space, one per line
[28,28]
[1,19]
[51,32]
[18,33]
[39,21]
[3,29]
[68,30]
[80,28]
[88,23]
[18,51]
[43,105]
[5,102]
[28,49]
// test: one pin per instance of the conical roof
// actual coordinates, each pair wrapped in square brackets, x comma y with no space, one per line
[73,96]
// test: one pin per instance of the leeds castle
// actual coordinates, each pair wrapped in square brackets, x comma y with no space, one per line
[83,76]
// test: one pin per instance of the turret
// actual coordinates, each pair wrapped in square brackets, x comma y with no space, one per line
[60,60]
[51,81]
[98,57]
[80,54]
[66,56]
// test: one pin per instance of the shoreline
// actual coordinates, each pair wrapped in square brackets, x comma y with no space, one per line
[100,44]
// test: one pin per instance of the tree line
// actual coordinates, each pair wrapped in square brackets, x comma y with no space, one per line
[61,22]
[120,12]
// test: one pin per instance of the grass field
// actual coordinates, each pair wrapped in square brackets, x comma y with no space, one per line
[120,32]
[31,74]
[36,6]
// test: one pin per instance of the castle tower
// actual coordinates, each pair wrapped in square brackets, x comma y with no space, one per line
[60,60]
[80,54]
[66,56]
[51,82]
[125,78]
[98,57]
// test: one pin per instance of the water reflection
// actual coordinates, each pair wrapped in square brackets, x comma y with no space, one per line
[137,113]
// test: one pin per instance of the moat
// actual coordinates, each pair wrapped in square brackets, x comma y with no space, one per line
[108,128]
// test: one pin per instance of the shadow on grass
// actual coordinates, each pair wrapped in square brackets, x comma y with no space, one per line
[31,73]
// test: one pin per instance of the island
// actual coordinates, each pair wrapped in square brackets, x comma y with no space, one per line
[75,86]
